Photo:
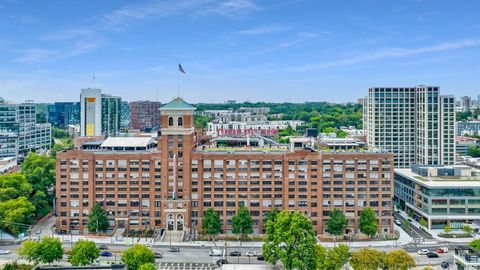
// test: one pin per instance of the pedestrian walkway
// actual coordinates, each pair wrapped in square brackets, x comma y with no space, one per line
[185,266]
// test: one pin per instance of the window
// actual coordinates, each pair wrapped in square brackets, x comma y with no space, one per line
[180,121]
[170,121]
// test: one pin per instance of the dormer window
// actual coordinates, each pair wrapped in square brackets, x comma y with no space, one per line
[180,121]
[170,121]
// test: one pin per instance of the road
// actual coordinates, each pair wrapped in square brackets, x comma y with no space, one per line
[416,232]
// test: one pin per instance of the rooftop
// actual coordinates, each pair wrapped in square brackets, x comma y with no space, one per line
[441,181]
[127,142]
[177,104]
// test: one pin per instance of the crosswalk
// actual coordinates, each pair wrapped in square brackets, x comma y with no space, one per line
[185,266]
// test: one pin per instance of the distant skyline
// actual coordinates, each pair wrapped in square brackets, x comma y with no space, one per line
[273,51]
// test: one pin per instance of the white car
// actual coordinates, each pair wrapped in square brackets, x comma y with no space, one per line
[398,222]
[423,251]
[4,252]
[251,253]
[215,252]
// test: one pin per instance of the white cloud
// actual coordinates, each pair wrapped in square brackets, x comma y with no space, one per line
[390,53]
[263,30]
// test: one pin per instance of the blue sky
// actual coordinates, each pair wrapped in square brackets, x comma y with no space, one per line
[291,50]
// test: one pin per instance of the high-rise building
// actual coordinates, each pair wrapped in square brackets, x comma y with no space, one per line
[99,113]
[145,115]
[413,123]
[125,116]
[169,183]
[466,103]
[62,114]
[18,126]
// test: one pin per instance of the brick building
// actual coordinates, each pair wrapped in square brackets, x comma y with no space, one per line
[144,115]
[169,183]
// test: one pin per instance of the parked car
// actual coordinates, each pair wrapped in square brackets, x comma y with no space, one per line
[221,262]
[174,249]
[260,258]
[442,250]
[157,255]
[423,252]
[432,255]
[4,252]
[235,253]
[252,253]
[103,247]
[38,232]
[215,252]
[445,265]
[106,254]
[398,222]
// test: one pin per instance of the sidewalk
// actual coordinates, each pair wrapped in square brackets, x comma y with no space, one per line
[403,240]
[434,233]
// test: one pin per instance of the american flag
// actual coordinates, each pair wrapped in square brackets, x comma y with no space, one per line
[180,68]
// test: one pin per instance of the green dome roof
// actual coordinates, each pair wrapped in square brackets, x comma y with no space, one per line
[177,104]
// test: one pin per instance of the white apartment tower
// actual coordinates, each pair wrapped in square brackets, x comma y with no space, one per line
[99,113]
[416,124]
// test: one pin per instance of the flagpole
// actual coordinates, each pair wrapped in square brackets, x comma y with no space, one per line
[178,83]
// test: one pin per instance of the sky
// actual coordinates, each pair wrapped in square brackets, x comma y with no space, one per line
[246,50]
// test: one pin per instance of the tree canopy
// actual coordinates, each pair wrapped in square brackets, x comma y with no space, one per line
[84,252]
[399,260]
[242,222]
[337,222]
[335,258]
[368,221]
[28,251]
[49,249]
[291,239]
[367,259]
[97,220]
[211,224]
[136,256]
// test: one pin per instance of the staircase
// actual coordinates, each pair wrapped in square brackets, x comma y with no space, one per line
[174,236]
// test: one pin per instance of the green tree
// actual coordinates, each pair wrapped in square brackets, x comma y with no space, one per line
[367,259]
[474,151]
[292,242]
[84,252]
[475,244]
[147,266]
[200,120]
[399,260]
[242,222]
[39,171]
[136,256]
[16,211]
[211,224]
[336,258]
[268,246]
[410,213]
[321,256]
[447,229]
[98,220]
[423,222]
[14,185]
[467,229]
[368,222]
[49,250]
[337,223]
[28,251]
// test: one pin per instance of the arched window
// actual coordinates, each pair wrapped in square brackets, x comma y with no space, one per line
[170,121]
[180,121]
